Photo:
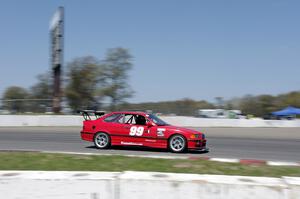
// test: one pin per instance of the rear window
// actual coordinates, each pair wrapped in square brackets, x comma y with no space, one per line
[112,118]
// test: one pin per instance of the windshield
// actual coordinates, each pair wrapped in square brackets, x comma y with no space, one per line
[157,120]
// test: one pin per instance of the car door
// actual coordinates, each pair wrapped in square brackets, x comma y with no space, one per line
[135,130]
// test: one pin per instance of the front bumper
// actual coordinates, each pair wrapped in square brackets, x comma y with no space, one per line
[197,144]
[201,150]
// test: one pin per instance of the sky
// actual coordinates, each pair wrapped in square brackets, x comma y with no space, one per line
[182,49]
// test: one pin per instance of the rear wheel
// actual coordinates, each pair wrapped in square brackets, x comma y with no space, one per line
[177,143]
[102,140]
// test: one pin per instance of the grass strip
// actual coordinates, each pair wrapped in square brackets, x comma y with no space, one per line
[66,162]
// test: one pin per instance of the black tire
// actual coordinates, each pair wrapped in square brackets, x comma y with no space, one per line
[177,143]
[102,140]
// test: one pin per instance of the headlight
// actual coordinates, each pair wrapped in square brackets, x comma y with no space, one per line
[194,136]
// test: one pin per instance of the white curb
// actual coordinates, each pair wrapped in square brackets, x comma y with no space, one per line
[273,163]
[225,160]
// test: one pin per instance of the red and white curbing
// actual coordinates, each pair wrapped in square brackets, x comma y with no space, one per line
[252,161]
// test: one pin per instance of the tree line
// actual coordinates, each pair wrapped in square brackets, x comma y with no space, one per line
[262,105]
[90,83]
[259,105]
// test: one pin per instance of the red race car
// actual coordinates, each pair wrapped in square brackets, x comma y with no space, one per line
[132,128]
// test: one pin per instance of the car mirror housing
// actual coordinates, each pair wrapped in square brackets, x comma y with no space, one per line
[150,124]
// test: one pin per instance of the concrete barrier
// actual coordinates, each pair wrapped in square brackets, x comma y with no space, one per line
[210,122]
[136,185]
[71,120]
[40,120]
[58,185]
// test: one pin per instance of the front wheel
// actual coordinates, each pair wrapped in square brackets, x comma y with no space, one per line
[177,143]
[101,140]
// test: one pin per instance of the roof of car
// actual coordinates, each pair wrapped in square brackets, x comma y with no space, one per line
[130,112]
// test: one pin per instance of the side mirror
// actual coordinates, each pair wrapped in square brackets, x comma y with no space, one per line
[149,124]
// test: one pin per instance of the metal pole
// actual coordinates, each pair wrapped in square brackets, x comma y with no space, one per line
[57,32]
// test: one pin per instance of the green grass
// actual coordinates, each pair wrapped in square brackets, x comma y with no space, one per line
[62,162]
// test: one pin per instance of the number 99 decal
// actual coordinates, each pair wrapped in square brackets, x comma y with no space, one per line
[138,131]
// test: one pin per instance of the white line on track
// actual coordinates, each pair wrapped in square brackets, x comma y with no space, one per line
[274,163]
[225,160]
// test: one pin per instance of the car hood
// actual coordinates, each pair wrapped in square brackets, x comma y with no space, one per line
[184,130]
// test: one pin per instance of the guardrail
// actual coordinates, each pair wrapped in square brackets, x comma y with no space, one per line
[71,120]
[146,185]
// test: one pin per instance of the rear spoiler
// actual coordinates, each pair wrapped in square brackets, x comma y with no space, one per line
[88,113]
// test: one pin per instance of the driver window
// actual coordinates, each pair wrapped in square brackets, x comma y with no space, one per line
[133,119]
[140,120]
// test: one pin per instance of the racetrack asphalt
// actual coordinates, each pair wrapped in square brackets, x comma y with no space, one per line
[278,144]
